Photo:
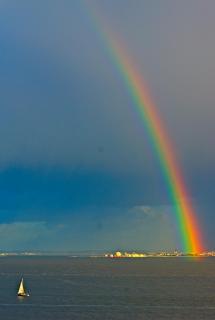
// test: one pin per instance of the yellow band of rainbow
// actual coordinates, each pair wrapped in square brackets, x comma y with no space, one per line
[150,118]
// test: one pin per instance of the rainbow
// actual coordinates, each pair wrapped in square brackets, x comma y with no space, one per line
[190,235]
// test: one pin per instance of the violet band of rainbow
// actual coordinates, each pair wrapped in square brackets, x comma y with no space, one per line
[142,102]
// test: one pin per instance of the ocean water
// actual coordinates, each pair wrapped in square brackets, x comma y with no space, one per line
[98,288]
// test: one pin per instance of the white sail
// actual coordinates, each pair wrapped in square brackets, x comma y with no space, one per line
[21,290]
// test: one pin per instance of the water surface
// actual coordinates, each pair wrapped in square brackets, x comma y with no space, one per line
[99,288]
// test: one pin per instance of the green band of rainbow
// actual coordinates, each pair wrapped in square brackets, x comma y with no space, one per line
[151,120]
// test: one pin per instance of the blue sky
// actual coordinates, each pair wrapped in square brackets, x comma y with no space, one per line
[76,168]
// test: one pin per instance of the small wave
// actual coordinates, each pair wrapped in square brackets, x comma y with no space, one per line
[34,305]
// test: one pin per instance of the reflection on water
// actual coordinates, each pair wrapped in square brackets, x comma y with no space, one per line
[92,288]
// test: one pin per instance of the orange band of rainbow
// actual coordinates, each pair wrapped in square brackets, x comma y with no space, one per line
[151,120]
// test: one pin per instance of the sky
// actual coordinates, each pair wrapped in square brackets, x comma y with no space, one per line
[77,171]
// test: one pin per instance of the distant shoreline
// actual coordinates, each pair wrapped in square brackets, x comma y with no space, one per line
[112,255]
[162,254]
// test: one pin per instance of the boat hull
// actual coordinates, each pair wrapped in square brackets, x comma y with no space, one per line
[24,295]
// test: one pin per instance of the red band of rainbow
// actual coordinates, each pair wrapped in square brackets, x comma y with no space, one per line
[150,118]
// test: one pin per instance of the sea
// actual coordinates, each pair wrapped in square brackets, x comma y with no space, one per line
[102,288]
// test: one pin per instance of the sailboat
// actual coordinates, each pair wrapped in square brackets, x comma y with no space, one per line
[21,292]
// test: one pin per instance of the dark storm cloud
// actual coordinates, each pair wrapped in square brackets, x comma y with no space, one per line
[61,97]
[70,146]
